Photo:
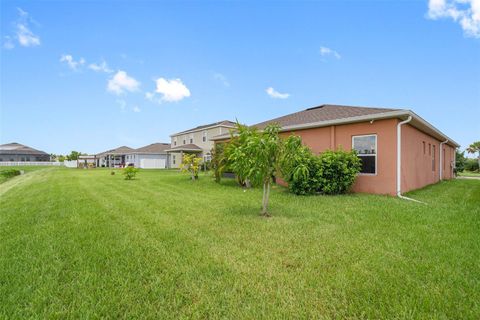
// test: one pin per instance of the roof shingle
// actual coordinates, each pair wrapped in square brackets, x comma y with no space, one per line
[17,148]
[324,112]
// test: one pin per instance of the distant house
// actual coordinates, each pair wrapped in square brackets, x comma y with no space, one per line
[399,150]
[153,156]
[196,140]
[113,158]
[16,152]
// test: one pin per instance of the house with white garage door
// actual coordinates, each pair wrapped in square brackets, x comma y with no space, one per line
[153,156]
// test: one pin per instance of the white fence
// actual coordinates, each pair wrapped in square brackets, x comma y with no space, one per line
[70,164]
[31,163]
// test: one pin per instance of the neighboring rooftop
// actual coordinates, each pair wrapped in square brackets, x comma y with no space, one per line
[186,147]
[225,123]
[154,148]
[325,112]
[17,148]
[119,150]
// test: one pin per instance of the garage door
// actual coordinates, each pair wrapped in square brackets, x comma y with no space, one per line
[152,164]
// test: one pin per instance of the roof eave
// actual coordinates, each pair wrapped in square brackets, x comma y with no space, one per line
[202,129]
[378,116]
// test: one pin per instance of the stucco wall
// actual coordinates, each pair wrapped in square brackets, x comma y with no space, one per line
[334,137]
[175,157]
[419,152]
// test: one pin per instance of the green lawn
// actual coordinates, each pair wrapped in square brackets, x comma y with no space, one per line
[469,174]
[23,168]
[86,244]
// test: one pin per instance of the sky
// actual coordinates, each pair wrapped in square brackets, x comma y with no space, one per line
[91,76]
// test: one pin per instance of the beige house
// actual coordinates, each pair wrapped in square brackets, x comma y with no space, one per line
[196,140]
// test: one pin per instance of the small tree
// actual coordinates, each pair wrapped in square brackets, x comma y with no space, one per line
[191,163]
[256,156]
[73,155]
[219,161]
[129,173]
[474,148]
[459,161]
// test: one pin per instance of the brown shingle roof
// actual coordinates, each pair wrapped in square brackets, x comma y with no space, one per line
[154,148]
[324,112]
[119,150]
[17,148]
[187,147]
[224,122]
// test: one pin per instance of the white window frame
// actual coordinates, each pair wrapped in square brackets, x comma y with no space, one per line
[368,155]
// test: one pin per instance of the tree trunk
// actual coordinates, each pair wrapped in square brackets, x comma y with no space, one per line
[266,194]
[263,199]
[267,199]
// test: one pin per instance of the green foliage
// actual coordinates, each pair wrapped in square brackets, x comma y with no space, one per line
[338,170]
[73,155]
[191,163]
[471,165]
[299,167]
[332,172]
[129,173]
[255,156]
[9,173]
[475,148]
[460,161]
[219,161]
[233,153]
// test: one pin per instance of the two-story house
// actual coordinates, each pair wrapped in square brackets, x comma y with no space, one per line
[196,140]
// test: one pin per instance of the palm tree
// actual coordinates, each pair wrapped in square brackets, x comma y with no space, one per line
[474,148]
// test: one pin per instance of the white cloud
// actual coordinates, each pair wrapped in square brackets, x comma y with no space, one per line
[172,90]
[464,12]
[102,67]
[22,33]
[136,109]
[220,77]
[71,62]
[121,82]
[26,37]
[276,95]
[324,51]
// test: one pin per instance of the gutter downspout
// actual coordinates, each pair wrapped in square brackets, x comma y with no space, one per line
[442,155]
[399,160]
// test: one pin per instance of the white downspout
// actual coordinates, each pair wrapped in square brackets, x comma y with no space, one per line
[399,160]
[442,155]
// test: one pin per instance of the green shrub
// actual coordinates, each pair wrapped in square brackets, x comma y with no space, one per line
[130,173]
[9,173]
[299,167]
[471,164]
[331,172]
[338,170]
[460,160]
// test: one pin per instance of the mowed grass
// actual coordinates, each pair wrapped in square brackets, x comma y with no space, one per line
[86,244]
[25,169]
[469,174]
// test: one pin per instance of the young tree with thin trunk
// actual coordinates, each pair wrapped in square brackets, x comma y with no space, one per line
[191,163]
[256,155]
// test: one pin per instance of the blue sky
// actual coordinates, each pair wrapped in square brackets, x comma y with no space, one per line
[91,76]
